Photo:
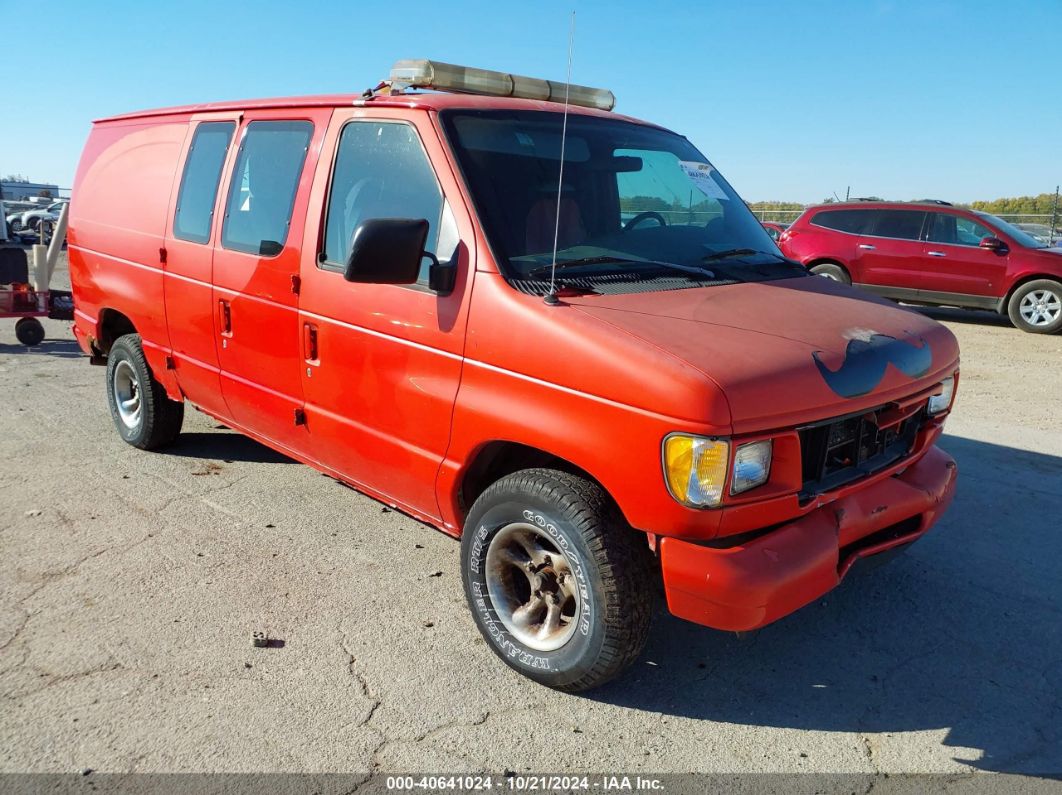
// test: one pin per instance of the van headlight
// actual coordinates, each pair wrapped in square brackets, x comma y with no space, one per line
[752,466]
[941,402]
[695,469]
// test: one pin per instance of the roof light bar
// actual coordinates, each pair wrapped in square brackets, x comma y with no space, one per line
[420,73]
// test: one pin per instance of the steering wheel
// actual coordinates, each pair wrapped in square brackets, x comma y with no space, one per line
[650,214]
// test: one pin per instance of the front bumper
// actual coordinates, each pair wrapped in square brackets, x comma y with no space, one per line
[752,584]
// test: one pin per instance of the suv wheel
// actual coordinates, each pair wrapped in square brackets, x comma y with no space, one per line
[1036,307]
[829,270]
[144,416]
[558,584]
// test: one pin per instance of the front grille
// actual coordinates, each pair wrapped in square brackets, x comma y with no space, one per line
[837,452]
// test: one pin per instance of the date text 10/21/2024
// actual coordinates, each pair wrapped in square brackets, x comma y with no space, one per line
[525,783]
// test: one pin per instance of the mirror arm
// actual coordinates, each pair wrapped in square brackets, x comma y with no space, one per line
[441,278]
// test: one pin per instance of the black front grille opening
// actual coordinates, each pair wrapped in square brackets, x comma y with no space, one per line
[837,453]
[894,532]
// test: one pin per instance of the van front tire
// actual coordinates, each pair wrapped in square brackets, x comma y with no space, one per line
[558,584]
[143,415]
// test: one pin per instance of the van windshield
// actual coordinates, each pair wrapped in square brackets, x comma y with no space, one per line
[634,199]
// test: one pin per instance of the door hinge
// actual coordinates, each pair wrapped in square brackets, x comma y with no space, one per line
[296,284]
[170,364]
[162,256]
[300,417]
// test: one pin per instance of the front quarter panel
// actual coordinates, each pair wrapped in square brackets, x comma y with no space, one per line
[578,388]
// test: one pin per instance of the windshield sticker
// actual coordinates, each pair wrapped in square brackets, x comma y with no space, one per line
[700,174]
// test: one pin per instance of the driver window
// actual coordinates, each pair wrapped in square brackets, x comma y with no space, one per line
[957,231]
[382,171]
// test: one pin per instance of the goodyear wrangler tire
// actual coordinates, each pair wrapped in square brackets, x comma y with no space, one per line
[557,582]
[144,416]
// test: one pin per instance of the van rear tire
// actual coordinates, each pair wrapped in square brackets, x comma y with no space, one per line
[558,584]
[143,414]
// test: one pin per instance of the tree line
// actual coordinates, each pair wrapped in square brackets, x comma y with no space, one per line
[1017,205]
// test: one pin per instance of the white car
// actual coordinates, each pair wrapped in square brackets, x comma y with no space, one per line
[1041,232]
[30,220]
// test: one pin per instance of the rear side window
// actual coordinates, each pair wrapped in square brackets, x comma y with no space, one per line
[852,221]
[199,184]
[382,171]
[898,224]
[264,181]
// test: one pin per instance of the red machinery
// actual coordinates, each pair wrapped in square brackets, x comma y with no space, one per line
[18,298]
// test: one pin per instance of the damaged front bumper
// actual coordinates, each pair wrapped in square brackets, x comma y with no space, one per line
[749,585]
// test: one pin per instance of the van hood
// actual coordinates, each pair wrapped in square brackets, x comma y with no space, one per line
[791,351]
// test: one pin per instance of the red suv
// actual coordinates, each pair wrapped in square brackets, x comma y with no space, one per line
[933,253]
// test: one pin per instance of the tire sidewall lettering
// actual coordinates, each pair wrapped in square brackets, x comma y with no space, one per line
[493,629]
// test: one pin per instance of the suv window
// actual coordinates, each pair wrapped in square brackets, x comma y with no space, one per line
[899,224]
[264,181]
[852,221]
[382,171]
[199,184]
[956,230]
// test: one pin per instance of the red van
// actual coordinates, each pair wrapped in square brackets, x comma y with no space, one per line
[589,374]
[933,253]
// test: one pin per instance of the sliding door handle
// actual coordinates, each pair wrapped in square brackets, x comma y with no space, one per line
[225,317]
[866,246]
[309,341]
[936,253]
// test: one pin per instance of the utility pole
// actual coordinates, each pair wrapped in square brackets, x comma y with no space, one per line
[847,191]
[1054,212]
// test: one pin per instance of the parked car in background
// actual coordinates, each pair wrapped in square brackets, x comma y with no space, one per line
[935,254]
[1041,232]
[774,229]
[31,219]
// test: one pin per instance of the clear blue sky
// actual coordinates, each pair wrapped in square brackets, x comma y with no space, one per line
[954,99]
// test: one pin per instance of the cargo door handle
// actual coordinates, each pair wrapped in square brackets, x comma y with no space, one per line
[309,341]
[866,246]
[225,317]
[936,253]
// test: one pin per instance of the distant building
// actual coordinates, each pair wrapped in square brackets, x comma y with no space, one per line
[15,191]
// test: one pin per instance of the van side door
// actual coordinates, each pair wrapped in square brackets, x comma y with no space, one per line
[256,272]
[189,251]
[890,252]
[381,362]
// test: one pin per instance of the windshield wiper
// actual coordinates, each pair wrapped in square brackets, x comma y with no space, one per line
[611,260]
[737,252]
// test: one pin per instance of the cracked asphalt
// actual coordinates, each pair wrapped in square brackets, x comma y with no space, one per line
[132,582]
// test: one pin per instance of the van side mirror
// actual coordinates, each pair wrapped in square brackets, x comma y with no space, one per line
[386,251]
[993,244]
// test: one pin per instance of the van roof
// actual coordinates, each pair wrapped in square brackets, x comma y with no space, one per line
[420,100]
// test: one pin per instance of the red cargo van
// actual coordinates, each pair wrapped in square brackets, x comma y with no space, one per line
[366,283]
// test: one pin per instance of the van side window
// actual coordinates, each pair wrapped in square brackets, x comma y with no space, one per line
[852,221]
[382,171]
[262,190]
[199,183]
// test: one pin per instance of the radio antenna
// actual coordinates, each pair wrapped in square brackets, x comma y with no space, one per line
[551,296]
